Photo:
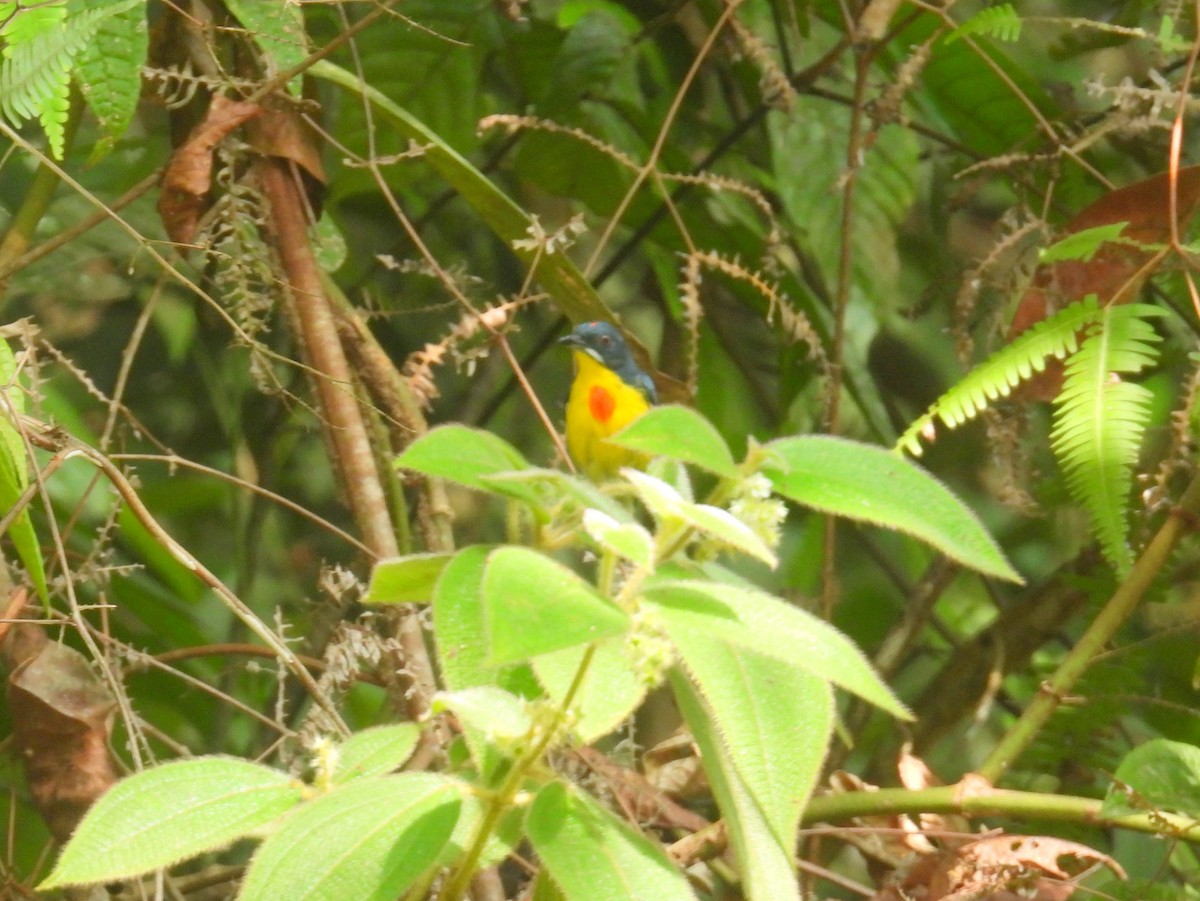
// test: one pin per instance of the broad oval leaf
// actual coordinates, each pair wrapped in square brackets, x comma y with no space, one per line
[630,540]
[761,622]
[870,484]
[534,606]
[1163,774]
[367,840]
[405,580]
[767,870]
[593,856]
[546,489]
[774,722]
[461,454]
[681,434]
[609,694]
[501,717]
[666,503]
[161,816]
[376,751]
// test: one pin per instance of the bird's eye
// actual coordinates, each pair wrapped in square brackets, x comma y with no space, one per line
[605,340]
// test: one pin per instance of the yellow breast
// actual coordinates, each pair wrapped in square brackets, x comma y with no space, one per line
[599,406]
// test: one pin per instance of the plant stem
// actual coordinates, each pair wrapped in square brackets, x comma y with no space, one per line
[993,802]
[1096,637]
[456,888]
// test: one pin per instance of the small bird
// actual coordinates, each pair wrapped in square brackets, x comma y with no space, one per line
[608,393]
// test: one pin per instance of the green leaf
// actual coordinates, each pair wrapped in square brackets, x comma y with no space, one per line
[461,454]
[460,628]
[405,580]
[1082,245]
[14,476]
[367,840]
[593,856]
[109,70]
[1099,421]
[869,484]
[534,606]
[559,275]
[459,625]
[376,751]
[502,717]
[546,489]
[278,28]
[774,722]
[1056,336]
[1162,774]
[39,55]
[159,817]
[680,433]
[667,505]
[752,619]
[629,540]
[609,694]
[1000,21]
[767,871]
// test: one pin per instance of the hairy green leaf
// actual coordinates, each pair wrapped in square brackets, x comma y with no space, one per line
[368,840]
[767,870]
[405,580]
[164,815]
[535,606]
[774,722]
[680,433]
[869,484]
[752,619]
[609,693]
[375,751]
[461,454]
[593,856]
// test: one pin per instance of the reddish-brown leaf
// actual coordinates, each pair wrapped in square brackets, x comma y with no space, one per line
[188,176]
[1117,271]
[61,716]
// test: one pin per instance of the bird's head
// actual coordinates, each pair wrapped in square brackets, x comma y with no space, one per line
[602,341]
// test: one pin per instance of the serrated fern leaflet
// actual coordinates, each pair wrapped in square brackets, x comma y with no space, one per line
[39,56]
[1005,370]
[1000,22]
[1099,420]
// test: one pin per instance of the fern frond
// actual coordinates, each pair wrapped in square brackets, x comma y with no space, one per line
[36,71]
[1000,22]
[997,376]
[1099,420]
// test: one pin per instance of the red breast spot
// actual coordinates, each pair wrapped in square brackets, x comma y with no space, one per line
[601,403]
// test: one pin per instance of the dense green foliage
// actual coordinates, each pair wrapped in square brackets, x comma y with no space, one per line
[279,450]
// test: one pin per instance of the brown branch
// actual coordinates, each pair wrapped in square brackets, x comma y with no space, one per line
[404,418]
[345,426]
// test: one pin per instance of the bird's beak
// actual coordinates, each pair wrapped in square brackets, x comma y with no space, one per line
[578,345]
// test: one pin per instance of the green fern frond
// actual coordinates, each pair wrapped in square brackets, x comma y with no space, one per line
[39,54]
[997,376]
[1000,22]
[1099,421]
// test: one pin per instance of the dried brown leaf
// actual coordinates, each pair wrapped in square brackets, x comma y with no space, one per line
[1117,271]
[61,718]
[188,176]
